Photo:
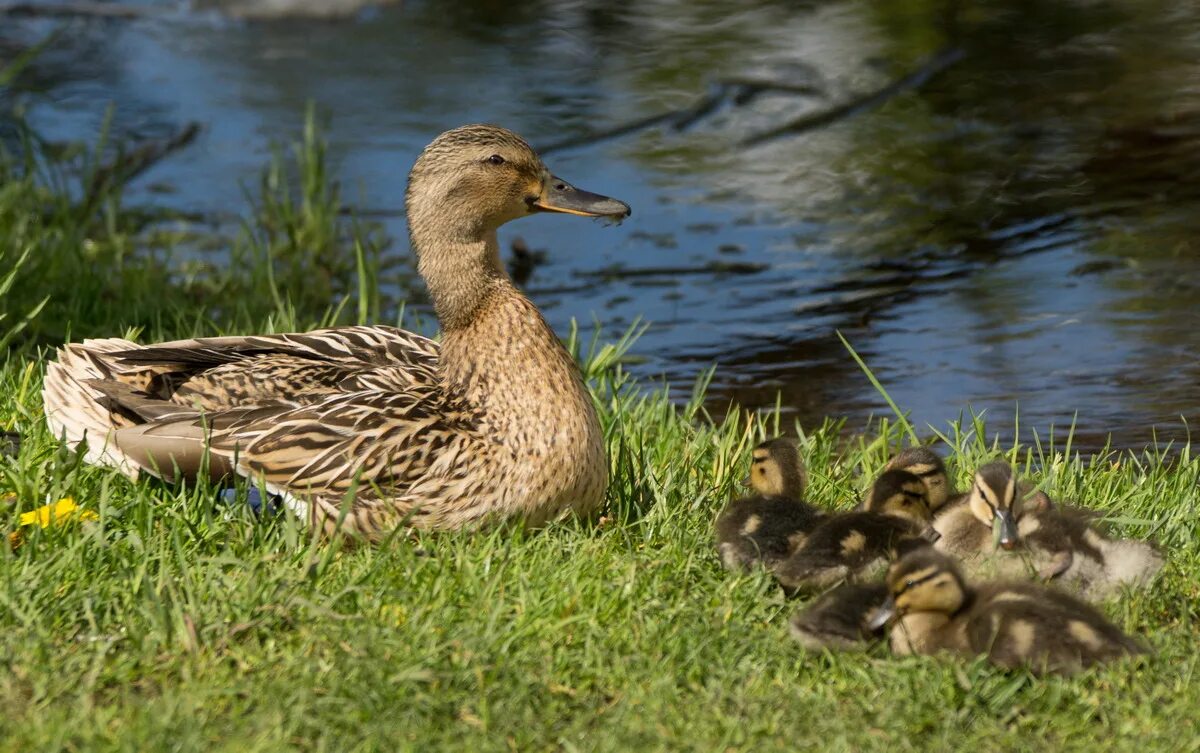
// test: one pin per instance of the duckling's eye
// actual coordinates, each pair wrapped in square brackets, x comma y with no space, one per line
[495,159]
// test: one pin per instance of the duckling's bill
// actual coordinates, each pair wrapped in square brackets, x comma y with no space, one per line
[560,196]
[882,615]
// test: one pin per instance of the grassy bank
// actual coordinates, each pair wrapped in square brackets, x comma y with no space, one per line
[173,621]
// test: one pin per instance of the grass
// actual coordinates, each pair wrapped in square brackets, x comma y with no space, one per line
[176,622]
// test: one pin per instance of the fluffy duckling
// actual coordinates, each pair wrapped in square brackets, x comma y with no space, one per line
[994,499]
[1065,546]
[858,544]
[766,526]
[931,608]
[839,618]
[931,469]
[1040,539]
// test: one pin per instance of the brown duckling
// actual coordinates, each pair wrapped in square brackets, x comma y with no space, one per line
[1039,539]
[966,526]
[1065,546]
[931,469]
[931,608]
[768,525]
[838,618]
[858,544]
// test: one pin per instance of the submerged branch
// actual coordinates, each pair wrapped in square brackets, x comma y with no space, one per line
[81,8]
[863,103]
[733,91]
[127,166]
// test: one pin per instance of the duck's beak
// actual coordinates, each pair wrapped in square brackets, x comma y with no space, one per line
[745,482]
[1008,529]
[560,196]
[882,615]
[931,534]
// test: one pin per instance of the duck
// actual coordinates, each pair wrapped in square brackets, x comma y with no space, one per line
[765,527]
[856,545]
[931,608]
[965,525]
[838,620]
[1041,540]
[363,430]
[931,469]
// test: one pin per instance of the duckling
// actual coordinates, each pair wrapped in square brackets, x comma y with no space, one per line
[766,526]
[966,526]
[931,608]
[1040,539]
[931,469]
[838,618]
[1070,550]
[858,544]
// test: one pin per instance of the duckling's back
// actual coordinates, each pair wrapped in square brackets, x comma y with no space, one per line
[1022,624]
[762,529]
[845,546]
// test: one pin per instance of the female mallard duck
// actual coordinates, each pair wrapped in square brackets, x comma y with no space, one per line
[855,544]
[1039,539]
[931,608]
[766,526]
[364,429]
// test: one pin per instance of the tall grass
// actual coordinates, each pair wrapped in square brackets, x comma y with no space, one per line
[178,621]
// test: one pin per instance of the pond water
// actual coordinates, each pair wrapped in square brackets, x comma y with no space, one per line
[1019,235]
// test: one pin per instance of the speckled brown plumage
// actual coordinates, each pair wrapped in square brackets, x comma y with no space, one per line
[364,429]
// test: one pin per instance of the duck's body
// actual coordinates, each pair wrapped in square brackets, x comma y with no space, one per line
[925,464]
[858,545]
[765,527]
[1038,539]
[932,609]
[838,619]
[364,429]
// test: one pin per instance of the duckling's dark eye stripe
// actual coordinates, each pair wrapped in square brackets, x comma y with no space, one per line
[913,583]
[990,506]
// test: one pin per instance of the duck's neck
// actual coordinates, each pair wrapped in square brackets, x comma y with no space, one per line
[492,335]
[463,272]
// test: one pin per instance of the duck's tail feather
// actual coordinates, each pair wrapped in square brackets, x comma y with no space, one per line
[76,412]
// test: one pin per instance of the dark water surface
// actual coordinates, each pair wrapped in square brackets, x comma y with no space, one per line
[1022,231]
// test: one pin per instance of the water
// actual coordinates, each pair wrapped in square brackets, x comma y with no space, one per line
[1017,235]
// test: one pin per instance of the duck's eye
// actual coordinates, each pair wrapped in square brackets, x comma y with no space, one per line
[495,159]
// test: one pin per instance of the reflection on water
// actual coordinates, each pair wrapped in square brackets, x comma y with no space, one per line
[1020,230]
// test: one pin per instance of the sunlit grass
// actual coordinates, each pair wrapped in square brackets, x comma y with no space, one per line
[176,621]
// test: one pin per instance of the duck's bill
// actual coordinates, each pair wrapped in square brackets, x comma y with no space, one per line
[561,196]
[1009,537]
[882,615]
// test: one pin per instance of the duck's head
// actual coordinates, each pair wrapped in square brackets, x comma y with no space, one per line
[995,500]
[903,495]
[776,469]
[924,580]
[471,180]
[924,463]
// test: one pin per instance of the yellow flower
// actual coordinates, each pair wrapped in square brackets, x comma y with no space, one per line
[47,515]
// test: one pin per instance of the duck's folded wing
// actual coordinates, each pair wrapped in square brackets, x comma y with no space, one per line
[370,443]
[363,346]
[222,373]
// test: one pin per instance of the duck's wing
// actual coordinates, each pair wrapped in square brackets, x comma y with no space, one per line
[154,394]
[374,449]
[216,373]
